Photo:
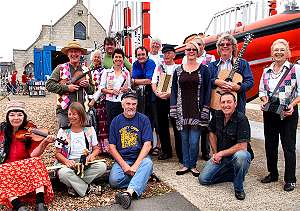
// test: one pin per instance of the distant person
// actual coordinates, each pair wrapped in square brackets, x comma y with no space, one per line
[79,138]
[155,51]
[68,93]
[142,72]
[109,46]
[98,101]
[24,83]
[163,105]
[190,100]
[279,91]
[130,139]
[13,81]
[229,136]
[114,82]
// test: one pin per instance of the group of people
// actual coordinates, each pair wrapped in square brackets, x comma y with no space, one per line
[130,105]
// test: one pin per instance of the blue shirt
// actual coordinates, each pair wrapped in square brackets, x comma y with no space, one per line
[143,73]
[129,135]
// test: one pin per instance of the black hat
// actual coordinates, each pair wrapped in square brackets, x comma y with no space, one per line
[168,47]
[130,93]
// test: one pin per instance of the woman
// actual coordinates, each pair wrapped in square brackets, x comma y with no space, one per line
[98,102]
[80,139]
[190,99]
[21,170]
[283,120]
[115,82]
[24,83]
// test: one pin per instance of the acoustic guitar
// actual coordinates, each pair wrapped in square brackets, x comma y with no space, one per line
[232,76]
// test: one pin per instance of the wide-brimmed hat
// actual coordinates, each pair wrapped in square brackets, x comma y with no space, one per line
[74,44]
[15,105]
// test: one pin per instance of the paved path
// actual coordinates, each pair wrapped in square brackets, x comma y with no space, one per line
[170,201]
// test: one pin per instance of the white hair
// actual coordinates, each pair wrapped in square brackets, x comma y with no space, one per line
[97,51]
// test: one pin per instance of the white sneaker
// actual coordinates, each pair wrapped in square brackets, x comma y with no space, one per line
[94,189]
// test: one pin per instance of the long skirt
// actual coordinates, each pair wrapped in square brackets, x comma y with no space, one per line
[21,178]
[102,133]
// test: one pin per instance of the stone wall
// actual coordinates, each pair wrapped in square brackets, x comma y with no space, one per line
[62,33]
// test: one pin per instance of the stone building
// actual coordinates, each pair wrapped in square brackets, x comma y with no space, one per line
[44,54]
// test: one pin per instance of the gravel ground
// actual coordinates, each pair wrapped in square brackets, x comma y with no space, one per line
[42,111]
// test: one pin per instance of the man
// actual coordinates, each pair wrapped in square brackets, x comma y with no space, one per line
[130,141]
[163,106]
[59,82]
[13,81]
[109,46]
[155,51]
[229,136]
[227,49]
[142,72]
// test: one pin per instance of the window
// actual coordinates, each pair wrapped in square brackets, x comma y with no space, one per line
[80,31]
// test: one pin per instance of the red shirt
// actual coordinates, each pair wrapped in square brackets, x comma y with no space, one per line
[18,151]
[24,79]
[14,78]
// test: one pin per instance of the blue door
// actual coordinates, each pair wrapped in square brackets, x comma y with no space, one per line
[38,64]
[47,64]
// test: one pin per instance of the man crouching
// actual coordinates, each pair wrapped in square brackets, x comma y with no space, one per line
[229,136]
[130,140]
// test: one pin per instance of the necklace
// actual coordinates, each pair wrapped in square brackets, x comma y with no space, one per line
[275,75]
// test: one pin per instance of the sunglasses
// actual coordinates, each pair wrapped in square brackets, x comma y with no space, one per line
[225,44]
[191,49]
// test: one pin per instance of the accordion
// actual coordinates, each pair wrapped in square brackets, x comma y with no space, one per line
[165,83]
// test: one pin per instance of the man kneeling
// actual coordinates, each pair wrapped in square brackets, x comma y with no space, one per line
[229,136]
[130,140]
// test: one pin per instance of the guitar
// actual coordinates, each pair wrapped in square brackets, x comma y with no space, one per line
[233,75]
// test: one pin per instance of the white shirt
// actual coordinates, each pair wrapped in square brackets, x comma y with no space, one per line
[274,81]
[117,83]
[158,58]
[169,69]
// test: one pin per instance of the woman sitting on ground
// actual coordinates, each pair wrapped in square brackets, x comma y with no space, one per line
[79,138]
[22,172]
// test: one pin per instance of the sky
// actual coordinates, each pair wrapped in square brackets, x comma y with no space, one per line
[171,21]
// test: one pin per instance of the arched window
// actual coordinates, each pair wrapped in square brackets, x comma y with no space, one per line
[80,31]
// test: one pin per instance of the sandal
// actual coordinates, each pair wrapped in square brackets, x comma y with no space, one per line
[155,151]
[124,199]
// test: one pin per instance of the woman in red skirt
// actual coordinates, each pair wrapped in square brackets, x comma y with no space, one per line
[98,102]
[23,176]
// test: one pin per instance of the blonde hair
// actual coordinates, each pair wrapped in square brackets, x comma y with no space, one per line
[155,40]
[283,42]
[194,44]
[200,39]
[231,39]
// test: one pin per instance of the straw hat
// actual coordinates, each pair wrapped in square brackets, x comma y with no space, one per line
[15,105]
[74,44]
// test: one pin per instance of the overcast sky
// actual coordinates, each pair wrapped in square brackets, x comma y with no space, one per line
[171,21]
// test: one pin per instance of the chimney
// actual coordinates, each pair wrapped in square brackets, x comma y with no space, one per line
[79,2]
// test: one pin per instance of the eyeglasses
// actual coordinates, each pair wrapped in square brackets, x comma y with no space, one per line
[225,44]
[141,54]
[191,49]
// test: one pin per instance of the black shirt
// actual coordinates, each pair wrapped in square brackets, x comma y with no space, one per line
[236,130]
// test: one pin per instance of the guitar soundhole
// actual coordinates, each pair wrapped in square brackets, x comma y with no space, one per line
[228,79]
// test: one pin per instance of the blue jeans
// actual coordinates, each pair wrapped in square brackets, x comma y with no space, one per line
[138,183]
[231,169]
[190,146]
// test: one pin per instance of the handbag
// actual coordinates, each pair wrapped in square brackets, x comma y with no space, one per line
[273,105]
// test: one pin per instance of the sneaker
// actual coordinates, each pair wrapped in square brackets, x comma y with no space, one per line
[240,195]
[94,189]
[289,186]
[71,191]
